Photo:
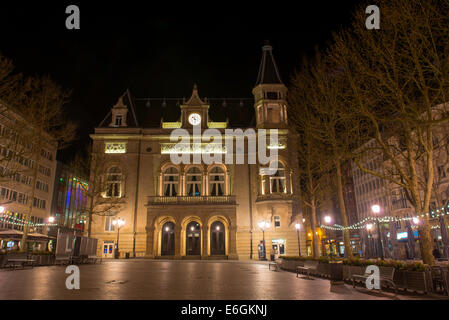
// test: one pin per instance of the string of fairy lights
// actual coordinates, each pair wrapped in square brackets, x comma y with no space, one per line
[9,219]
[362,224]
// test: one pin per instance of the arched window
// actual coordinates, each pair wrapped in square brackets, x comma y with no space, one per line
[217,181]
[193,181]
[168,239]
[171,182]
[217,238]
[114,182]
[277,180]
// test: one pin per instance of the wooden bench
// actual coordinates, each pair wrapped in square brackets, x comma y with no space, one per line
[92,259]
[13,262]
[306,268]
[386,275]
[276,265]
[62,259]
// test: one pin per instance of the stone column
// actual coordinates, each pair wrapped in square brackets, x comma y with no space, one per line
[204,241]
[151,234]
[178,247]
[232,244]
[204,191]
[161,184]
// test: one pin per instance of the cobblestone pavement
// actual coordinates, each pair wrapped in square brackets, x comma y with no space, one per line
[167,280]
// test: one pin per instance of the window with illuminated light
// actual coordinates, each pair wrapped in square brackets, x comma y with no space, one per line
[277,180]
[217,182]
[108,225]
[115,147]
[170,182]
[114,182]
[193,181]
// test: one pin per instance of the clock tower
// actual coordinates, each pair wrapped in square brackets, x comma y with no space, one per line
[270,93]
[195,111]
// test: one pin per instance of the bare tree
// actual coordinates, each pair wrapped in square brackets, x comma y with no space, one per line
[313,164]
[13,147]
[99,202]
[399,79]
[43,116]
[320,95]
[9,82]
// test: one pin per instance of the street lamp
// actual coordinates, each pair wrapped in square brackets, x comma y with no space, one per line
[376,210]
[51,219]
[298,227]
[2,209]
[119,222]
[369,227]
[327,220]
[264,225]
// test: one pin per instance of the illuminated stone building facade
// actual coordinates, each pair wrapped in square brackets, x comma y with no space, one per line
[203,210]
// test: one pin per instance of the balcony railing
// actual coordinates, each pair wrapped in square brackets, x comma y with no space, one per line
[274,197]
[188,200]
[399,204]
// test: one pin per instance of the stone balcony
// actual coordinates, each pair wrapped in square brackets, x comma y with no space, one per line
[275,197]
[190,200]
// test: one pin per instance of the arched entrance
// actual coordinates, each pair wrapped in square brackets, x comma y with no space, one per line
[193,239]
[217,238]
[168,239]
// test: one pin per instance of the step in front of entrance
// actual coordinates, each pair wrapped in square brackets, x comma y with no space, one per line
[215,258]
[195,257]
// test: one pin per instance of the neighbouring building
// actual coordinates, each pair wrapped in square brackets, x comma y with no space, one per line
[398,233]
[69,200]
[19,161]
[200,210]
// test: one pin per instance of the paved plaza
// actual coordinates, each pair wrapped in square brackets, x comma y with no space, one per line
[168,280]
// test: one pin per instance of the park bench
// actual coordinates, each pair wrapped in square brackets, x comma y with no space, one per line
[93,259]
[275,264]
[306,268]
[439,279]
[386,275]
[62,259]
[20,259]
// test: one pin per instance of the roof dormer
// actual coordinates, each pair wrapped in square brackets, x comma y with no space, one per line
[119,112]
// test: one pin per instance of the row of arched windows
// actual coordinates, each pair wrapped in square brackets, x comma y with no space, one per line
[215,180]
[192,183]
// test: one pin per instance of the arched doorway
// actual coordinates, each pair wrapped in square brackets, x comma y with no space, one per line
[193,239]
[168,239]
[217,238]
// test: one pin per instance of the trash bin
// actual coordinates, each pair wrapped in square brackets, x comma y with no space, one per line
[127,255]
[336,272]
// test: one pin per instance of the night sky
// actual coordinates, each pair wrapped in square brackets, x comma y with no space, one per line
[160,51]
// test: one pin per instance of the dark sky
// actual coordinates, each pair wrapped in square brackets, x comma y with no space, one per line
[160,51]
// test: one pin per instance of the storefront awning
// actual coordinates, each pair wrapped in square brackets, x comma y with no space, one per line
[16,234]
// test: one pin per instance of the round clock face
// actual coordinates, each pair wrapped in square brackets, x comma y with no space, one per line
[194,119]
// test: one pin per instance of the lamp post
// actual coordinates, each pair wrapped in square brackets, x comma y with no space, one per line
[327,221]
[376,210]
[369,227]
[264,225]
[119,222]
[298,227]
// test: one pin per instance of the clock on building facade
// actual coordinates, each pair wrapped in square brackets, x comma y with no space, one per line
[194,119]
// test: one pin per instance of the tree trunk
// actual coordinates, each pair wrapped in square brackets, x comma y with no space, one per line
[425,243]
[344,217]
[27,217]
[315,244]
